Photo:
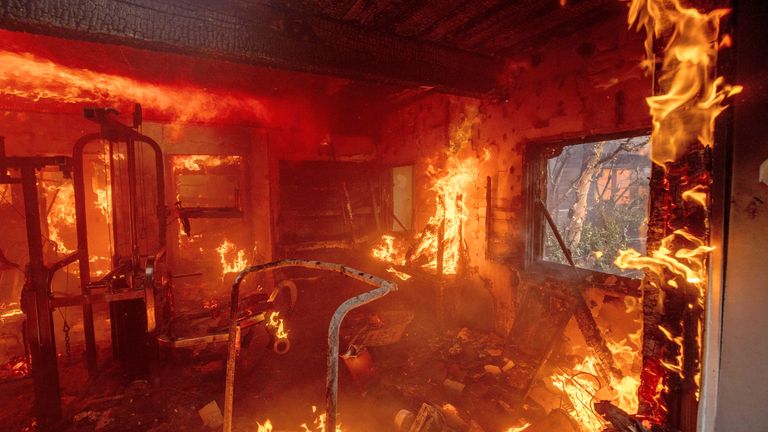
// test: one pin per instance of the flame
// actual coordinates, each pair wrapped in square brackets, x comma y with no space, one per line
[386,251]
[691,99]
[697,194]
[277,325]
[27,76]
[399,274]
[677,340]
[318,424]
[266,427]
[104,201]
[580,387]
[683,114]
[519,428]
[61,214]
[238,262]
[688,263]
[198,162]
[450,186]
[8,310]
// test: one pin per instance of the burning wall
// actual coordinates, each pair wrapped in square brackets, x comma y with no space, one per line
[580,86]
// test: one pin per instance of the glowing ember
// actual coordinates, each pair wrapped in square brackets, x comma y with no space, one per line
[232,260]
[26,76]
[277,325]
[199,162]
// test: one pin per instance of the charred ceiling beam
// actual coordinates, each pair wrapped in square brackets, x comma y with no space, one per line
[259,34]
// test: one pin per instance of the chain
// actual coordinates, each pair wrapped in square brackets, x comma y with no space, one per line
[66,342]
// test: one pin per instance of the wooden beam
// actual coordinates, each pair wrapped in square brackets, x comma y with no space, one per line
[258,34]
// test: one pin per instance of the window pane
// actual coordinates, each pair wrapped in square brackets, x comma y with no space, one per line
[207,181]
[597,194]
[402,197]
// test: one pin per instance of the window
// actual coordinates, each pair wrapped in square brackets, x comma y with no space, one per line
[208,181]
[596,193]
[402,198]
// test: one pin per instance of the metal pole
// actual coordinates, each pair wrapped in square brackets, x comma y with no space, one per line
[78,181]
[332,376]
[36,306]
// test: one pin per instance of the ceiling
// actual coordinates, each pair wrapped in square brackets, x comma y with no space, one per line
[488,27]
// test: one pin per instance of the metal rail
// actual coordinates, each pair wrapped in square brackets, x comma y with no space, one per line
[383,287]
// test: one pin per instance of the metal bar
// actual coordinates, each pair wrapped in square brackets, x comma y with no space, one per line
[160,186]
[36,306]
[332,377]
[384,287]
[90,299]
[132,204]
[556,232]
[233,349]
[81,225]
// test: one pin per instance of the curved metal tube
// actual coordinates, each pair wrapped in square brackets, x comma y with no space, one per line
[384,287]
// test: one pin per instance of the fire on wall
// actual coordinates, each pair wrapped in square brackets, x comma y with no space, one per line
[442,216]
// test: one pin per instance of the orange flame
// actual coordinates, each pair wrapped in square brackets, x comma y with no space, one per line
[26,76]
[237,263]
[697,194]
[450,186]
[318,423]
[277,325]
[519,428]
[401,275]
[685,111]
[266,427]
[686,262]
[61,214]
[581,386]
[387,251]
[677,340]
[198,162]
[104,201]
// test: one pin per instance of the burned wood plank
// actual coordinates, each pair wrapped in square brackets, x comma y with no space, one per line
[259,34]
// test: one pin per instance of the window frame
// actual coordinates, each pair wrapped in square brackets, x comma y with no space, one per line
[537,153]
